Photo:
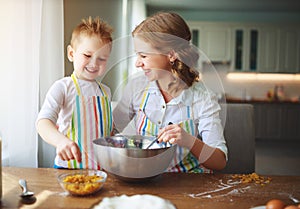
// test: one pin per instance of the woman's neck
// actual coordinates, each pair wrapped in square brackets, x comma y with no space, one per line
[170,89]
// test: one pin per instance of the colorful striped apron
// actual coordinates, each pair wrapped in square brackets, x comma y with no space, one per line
[91,119]
[183,161]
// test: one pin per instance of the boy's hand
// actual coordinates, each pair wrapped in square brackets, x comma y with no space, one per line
[68,150]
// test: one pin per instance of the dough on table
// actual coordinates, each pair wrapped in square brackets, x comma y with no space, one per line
[134,202]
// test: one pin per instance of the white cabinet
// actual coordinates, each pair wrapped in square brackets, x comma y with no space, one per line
[271,48]
[213,39]
[250,47]
[245,48]
[268,49]
[279,49]
[216,43]
[289,56]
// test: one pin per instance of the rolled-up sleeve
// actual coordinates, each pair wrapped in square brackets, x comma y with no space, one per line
[210,128]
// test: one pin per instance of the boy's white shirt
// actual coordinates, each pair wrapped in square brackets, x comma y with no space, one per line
[60,98]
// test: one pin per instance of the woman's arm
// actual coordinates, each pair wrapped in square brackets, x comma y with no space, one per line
[210,157]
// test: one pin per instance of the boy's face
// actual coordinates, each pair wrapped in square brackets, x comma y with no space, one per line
[89,57]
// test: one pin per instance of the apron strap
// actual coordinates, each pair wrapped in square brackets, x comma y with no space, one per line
[104,93]
[144,98]
[76,83]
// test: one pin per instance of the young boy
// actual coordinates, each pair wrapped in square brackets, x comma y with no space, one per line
[77,109]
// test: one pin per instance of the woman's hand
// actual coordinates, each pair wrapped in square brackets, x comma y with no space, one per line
[174,134]
[210,157]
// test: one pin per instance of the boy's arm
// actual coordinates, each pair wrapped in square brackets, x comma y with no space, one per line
[66,149]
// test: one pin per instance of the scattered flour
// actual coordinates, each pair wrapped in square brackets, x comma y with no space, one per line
[229,185]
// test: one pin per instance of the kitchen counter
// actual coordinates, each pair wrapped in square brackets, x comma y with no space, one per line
[274,120]
[193,191]
[260,101]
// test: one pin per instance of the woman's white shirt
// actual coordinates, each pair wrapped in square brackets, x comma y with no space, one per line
[203,102]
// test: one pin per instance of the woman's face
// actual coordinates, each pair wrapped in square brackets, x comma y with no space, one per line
[154,64]
[89,58]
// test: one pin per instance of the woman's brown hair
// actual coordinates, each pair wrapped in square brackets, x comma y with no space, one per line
[166,32]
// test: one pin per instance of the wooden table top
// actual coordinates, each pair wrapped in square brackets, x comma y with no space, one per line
[186,191]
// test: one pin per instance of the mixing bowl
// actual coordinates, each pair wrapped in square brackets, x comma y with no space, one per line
[127,157]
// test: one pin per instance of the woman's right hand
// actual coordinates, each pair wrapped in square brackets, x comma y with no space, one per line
[68,150]
[174,134]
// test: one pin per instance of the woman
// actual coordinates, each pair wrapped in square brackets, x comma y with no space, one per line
[169,100]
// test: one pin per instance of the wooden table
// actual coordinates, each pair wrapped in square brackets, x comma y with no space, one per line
[186,191]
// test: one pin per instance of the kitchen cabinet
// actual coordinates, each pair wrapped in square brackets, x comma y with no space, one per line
[268,49]
[250,47]
[215,42]
[245,48]
[291,122]
[267,121]
[289,51]
[271,48]
[277,121]
[279,49]
[214,39]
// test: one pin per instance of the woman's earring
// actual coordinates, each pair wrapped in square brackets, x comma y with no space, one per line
[172,63]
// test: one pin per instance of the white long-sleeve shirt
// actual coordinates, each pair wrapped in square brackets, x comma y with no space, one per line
[204,109]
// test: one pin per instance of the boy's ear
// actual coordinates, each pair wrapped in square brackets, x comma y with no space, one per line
[70,53]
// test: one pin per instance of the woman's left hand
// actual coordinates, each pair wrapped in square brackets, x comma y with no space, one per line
[174,134]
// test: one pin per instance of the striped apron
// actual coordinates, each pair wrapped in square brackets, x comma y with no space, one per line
[91,119]
[183,160]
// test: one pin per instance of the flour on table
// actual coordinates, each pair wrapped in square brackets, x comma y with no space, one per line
[229,187]
[134,202]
